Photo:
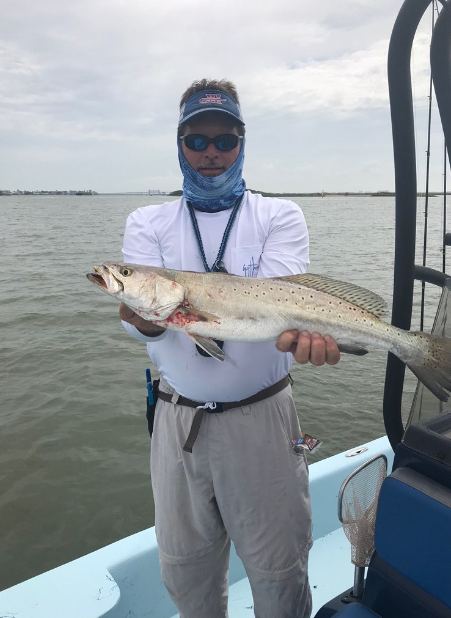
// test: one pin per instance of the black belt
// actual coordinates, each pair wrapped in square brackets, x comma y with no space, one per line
[218,407]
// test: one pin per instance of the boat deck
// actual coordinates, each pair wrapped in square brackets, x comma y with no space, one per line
[122,580]
[330,553]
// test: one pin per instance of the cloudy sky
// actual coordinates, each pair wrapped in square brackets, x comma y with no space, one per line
[89,91]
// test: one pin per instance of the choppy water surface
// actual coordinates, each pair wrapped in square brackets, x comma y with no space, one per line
[73,438]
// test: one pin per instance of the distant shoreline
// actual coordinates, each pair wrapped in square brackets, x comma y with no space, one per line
[178,193]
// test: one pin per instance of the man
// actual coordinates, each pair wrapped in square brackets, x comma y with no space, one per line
[236,475]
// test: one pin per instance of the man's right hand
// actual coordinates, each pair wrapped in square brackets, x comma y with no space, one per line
[149,329]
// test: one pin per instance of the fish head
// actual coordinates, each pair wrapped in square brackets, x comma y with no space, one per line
[106,280]
[141,288]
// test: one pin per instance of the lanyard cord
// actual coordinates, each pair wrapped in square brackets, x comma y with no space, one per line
[218,265]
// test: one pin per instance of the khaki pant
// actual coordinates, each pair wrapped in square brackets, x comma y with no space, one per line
[244,482]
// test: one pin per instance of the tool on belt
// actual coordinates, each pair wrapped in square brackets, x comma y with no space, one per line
[152,398]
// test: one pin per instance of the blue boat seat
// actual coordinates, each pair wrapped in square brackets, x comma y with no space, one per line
[413,531]
[410,572]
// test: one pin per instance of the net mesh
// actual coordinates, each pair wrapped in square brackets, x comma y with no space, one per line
[358,505]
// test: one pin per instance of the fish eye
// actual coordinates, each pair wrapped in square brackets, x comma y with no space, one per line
[125,271]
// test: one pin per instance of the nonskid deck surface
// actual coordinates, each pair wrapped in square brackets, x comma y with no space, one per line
[123,579]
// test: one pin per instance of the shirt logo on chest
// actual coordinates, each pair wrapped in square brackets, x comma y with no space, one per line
[251,268]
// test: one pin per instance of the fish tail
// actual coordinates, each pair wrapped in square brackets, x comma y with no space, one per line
[432,363]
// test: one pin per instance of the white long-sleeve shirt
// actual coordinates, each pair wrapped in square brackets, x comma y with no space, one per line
[269,238]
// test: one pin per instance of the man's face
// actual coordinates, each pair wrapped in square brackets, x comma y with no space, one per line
[210,162]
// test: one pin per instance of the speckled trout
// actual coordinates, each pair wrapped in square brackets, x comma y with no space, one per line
[209,306]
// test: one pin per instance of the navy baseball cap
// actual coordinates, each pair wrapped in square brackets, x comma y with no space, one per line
[210,101]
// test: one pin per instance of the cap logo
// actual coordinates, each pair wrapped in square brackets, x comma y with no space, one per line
[205,100]
[212,98]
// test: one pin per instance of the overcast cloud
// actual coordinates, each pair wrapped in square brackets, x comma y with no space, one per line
[89,91]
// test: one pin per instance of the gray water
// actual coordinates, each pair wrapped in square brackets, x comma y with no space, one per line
[74,447]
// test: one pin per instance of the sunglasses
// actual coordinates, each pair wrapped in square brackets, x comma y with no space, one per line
[225,142]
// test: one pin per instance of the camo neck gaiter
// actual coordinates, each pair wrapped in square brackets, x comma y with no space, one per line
[213,194]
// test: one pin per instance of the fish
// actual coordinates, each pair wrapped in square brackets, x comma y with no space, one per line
[223,307]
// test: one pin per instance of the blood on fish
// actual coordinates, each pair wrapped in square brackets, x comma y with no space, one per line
[181,319]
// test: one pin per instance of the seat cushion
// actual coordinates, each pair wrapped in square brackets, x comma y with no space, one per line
[413,531]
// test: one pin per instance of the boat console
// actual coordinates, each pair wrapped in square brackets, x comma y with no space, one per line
[409,575]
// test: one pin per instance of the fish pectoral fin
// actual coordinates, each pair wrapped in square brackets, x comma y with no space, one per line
[209,346]
[352,349]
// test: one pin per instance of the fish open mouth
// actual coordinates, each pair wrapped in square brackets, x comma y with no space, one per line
[97,279]
[105,279]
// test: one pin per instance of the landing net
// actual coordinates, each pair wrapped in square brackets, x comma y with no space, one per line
[357,505]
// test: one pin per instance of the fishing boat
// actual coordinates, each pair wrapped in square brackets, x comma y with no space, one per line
[393,494]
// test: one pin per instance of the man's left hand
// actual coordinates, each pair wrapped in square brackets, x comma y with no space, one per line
[309,347]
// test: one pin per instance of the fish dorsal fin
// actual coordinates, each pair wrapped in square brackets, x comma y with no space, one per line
[365,299]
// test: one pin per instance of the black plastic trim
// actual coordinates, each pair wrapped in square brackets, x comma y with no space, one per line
[400,91]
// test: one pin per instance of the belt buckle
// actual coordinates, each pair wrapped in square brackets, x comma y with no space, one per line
[212,407]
